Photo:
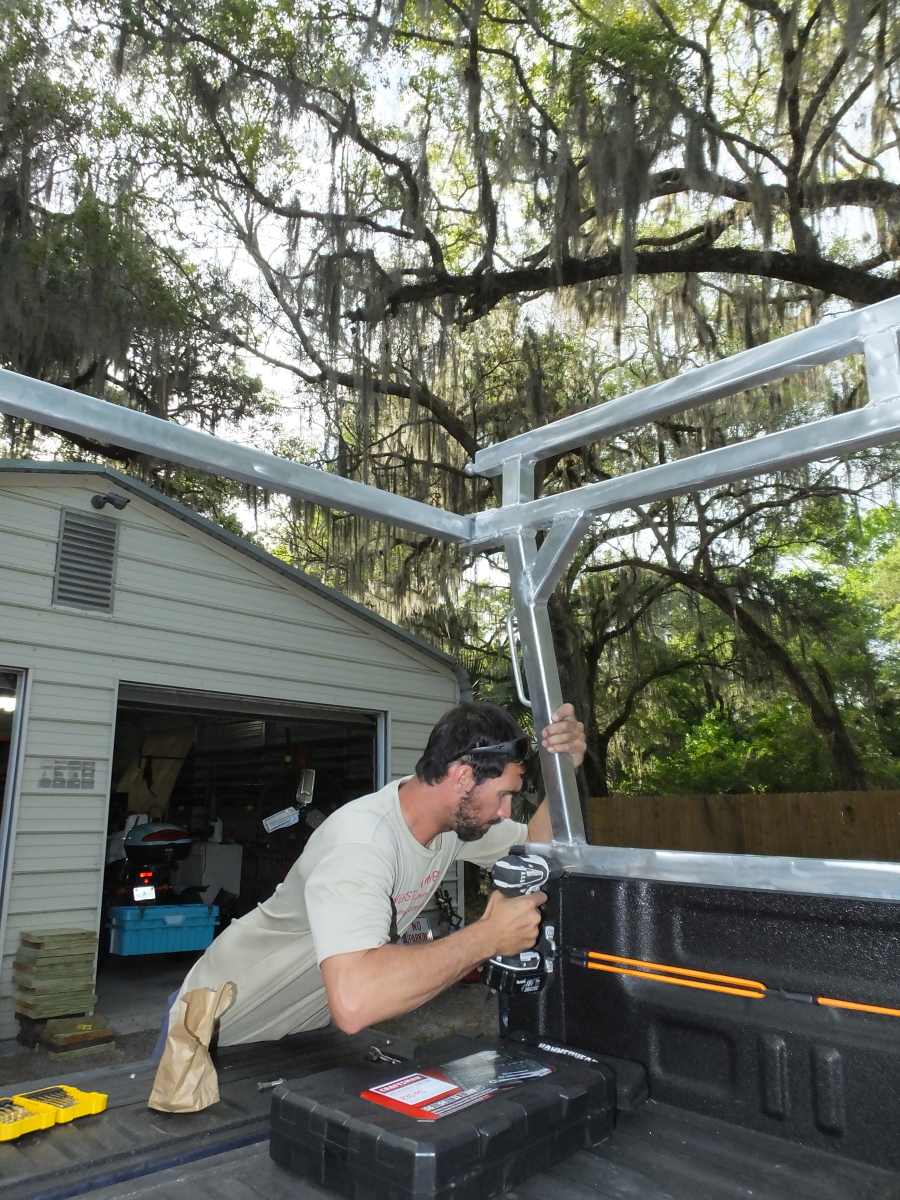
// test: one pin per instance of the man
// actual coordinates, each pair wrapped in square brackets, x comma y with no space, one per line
[322,947]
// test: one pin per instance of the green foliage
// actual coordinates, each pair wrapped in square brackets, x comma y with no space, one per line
[884,588]
[81,285]
[874,575]
[90,294]
[621,41]
[773,750]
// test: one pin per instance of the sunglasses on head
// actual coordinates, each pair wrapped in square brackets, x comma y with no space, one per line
[516,750]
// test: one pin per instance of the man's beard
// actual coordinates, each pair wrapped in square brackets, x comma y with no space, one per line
[468,828]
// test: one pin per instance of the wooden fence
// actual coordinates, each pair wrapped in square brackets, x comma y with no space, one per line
[864,825]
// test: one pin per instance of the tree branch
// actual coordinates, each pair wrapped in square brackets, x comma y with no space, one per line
[481,293]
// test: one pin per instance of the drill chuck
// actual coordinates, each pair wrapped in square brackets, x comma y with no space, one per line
[520,874]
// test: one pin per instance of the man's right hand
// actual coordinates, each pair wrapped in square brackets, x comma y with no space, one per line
[514,922]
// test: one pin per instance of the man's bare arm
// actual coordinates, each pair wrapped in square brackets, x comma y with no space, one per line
[372,985]
[539,827]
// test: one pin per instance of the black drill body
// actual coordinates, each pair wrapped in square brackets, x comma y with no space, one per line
[520,874]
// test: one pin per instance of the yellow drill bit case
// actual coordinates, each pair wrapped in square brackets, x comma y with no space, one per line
[55,1105]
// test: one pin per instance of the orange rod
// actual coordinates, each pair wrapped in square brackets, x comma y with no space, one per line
[828,1002]
[691,983]
[642,963]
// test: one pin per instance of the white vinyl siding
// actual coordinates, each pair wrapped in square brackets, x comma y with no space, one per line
[188,612]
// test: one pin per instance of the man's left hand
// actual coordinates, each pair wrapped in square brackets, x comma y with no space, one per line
[565,735]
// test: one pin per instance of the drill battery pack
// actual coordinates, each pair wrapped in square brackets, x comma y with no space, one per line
[324,1130]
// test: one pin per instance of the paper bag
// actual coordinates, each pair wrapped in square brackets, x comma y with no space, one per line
[186,1079]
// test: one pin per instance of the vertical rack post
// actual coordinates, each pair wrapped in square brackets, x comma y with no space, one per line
[530,582]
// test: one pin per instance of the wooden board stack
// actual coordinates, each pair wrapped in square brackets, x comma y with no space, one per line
[54,973]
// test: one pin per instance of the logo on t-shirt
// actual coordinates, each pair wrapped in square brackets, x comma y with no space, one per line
[412,901]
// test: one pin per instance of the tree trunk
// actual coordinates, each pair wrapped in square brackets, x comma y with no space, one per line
[576,673]
[600,767]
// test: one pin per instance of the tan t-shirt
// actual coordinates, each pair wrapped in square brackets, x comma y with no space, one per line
[360,881]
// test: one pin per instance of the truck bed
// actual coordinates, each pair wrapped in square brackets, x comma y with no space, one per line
[657,1152]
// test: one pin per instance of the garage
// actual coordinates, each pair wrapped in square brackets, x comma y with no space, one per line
[10,723]
[217,766]
[158,669]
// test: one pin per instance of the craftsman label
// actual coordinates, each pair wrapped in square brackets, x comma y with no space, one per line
[414,1090]
[68,775]
[454,1085]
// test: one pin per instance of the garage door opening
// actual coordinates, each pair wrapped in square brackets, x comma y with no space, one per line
[214,766]
[11,688]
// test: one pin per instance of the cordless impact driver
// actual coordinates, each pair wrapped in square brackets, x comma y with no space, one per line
[526,973]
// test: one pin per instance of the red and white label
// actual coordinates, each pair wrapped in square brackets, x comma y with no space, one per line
[411,1093]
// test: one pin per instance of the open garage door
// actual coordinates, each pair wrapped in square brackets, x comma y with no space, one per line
[11,694]
[218,764]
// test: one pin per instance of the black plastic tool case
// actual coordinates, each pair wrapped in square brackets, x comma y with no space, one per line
[324,1131]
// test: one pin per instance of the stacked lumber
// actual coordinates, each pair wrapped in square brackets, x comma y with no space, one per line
[71,1037]
[54,973]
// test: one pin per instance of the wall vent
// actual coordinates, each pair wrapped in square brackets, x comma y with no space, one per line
[85,561]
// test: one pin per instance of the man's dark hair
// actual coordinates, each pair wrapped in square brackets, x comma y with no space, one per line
[461,730]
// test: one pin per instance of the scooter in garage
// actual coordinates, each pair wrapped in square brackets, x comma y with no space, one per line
[140,862]
[139,882]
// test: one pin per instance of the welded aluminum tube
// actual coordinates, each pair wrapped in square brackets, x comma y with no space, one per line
[833,437]
[544,691]
[112,424]
[774,360]
[767,873]
[554,556]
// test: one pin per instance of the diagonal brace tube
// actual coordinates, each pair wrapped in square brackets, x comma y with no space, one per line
[555,554]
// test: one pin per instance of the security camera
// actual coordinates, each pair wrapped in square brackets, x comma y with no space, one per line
[119,502]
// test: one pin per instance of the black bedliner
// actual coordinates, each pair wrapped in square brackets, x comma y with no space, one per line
[660,1153]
